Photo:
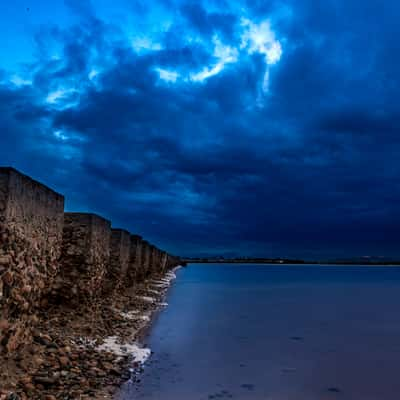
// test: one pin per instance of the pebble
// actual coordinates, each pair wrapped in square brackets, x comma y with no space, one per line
[61,362]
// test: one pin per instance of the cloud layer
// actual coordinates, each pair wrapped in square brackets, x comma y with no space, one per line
[219,126]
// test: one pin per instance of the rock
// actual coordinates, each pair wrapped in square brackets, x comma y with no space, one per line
[4,325]
[13,396]
[64,361]
[37,361]
[29,387]
[44,380]
[5,260]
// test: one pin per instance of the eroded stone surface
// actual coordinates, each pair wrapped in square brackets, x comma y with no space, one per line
[31,223]
[120,248]
[134,269]
[85,256]
[145,258]
[66,282]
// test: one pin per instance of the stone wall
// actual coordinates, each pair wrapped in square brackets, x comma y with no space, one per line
[31,224]
[156,264]
[151,269]
[172,261]
[164,258]
[146,258]
[120,248]
[48,257]
[140,275]
[158,260]
[85,256]
[135,260]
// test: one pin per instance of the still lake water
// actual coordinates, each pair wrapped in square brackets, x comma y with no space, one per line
[276,332]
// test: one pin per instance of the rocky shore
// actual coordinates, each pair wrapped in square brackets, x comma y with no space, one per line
[75,293]
[84,353]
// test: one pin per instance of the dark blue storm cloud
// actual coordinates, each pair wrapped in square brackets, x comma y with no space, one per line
[214,127]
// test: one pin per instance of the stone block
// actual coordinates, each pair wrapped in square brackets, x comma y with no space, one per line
[85,256]
[31,225]
[120,248]
[146,258]
[135,261]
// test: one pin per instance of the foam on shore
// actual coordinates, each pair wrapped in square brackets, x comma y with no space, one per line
[111,345]
[140,355]
[148,299]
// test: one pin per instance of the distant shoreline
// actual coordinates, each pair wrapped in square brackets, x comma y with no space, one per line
[289,262]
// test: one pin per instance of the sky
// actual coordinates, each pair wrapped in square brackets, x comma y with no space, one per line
[212,127]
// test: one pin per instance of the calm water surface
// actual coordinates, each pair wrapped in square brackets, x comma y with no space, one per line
[276,332]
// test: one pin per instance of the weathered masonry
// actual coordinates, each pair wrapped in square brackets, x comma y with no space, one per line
[119,259]
[146,258]
[85,256]
[164,258]
[153,259]
[49,256]
[31,226]
[135,260]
